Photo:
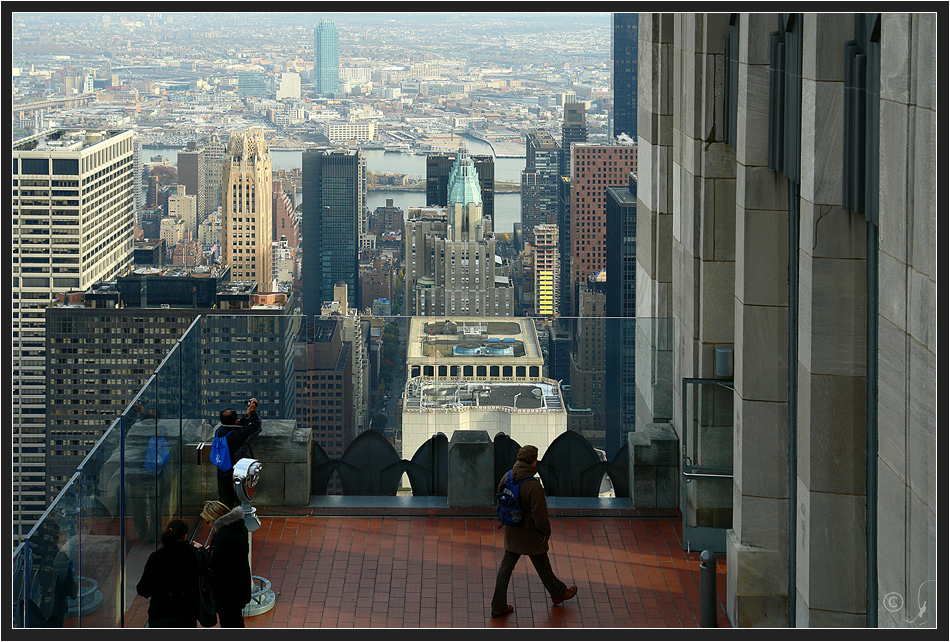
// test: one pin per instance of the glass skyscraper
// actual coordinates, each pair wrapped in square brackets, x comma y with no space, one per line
[326,58]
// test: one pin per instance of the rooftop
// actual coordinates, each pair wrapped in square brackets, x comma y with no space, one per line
[436,570]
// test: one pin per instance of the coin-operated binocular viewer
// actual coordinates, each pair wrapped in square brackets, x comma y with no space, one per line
[245,475]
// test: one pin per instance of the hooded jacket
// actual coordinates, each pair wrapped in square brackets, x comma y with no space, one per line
[531,538]
[227,561]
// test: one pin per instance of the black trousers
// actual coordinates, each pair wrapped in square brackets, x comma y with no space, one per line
[542,565]
[227,495]
[229,617]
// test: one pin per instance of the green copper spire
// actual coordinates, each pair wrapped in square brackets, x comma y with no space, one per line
[463,181]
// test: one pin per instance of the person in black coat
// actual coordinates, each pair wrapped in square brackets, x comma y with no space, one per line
[170,580]
[238,432]
[228,562]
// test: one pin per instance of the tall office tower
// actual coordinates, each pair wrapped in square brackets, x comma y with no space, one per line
[214,160]
[546,270]
[286,222]
[624,53]
[573,130]
[326,58]
[192,173]
[138,181]
[323,368]
[621,310]
[564,245]
[252,84]
[451,267]
[73,219]
[438,168]
[334,196]
[160,306]
[596,167]
[289,86]
[246,224]
[539,182]
[184,207]
[587,408]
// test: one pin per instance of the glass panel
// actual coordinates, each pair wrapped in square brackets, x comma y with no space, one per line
[708,450]
[19,585]
[196,427]
[53,585]
[162,460]
[100,523]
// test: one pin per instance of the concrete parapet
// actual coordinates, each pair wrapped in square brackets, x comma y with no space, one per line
[654,466]
[471,469]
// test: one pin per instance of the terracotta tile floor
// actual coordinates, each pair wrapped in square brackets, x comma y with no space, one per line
[428,571]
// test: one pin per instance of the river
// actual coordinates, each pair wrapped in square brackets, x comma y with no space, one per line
[507,206]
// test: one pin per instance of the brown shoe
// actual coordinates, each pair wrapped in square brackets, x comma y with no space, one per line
[568,594]
[508,609]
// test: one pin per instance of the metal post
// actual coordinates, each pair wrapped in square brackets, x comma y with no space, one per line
[707,589]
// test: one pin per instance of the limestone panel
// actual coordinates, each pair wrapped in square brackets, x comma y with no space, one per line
[753,115]
[753,593]
[761,355]
[892,397]
[892,516]
[685,276]
[895,60]
[761,189]
[717,302]
[921,607]
[822,141]
[893,195]
[724,215]
[646,247]
[832,433]
[761,449]
[754,41]
[762,261]
[925,30]
[828,231]
[924,250]
[817,618]
[922,309]
[763,522]
[921,425]
[892,291]
[832,316]
[833,527]
[822,38]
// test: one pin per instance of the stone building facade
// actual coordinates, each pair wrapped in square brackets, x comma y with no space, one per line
[749,237]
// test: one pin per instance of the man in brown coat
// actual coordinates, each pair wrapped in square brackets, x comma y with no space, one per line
[531,538]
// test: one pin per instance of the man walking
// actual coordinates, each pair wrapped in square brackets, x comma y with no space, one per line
[530,538]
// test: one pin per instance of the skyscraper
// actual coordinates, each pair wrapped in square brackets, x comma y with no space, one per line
[246,225]
[621,310]
[451,267]
[193,174]
[438,168]
[326,58]
[539,182]
[334,196]
[546,270]
[214,160]
[624,53]
[595,168]
[73,217]
[573,130]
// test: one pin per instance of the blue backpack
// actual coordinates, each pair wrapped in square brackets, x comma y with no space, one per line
[220,453]
[508,503]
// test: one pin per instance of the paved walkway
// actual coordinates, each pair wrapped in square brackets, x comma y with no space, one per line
[359,572]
